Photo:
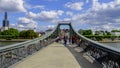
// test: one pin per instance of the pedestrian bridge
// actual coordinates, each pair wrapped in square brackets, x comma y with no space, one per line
[43,52]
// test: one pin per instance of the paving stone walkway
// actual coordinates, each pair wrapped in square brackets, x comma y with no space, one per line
[53,56]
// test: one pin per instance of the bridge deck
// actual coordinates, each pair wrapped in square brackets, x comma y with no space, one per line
[53,56]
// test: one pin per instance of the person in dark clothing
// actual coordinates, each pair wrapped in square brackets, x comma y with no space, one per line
[72,40]
[65,40]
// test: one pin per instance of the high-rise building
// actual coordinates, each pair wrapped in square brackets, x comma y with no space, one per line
[5,23]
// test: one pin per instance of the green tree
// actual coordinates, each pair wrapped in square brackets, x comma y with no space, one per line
[107,33]
[23,34]
[86,32]
[97,33]
[30,34]
[80,31]
[115,31]
[11,32]
[35,35]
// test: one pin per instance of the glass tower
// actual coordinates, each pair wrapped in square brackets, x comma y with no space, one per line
[5,21]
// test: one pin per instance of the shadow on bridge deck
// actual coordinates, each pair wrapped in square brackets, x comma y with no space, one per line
[52,56]
[81,60]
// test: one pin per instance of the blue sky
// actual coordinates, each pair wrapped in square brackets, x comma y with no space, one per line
[44,14]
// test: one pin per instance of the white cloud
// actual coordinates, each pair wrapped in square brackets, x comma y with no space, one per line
[13,26]
[21,26]
[39,7]
[75,5]
[67,19]
[49,16]
[60,12]
[69,13]
[26,23]
[102,6]
[12,5]
[44,27]
[50,26]
[25,20]
[105,16]
[31,15]
[29,21]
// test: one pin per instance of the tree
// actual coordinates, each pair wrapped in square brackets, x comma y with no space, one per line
[36,35]
[115,31]
[103,32]
[11,32]
[85,32]
[0,32]
[107,33]
[100,32]
[80,31]
[23,34]
[97,33]
[30,34]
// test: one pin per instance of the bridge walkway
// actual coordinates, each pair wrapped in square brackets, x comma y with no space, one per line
[53,56]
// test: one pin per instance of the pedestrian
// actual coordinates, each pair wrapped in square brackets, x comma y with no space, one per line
[65,40]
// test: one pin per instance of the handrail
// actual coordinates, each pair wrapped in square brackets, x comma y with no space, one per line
[26,42]
[96,43]
[13,53]
[16,45]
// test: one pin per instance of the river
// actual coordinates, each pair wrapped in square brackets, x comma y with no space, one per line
[6,43]
[116,45]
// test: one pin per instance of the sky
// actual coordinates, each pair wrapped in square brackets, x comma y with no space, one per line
[44,14]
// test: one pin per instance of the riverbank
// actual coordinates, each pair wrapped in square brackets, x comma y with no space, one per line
[14,40]
[109,41]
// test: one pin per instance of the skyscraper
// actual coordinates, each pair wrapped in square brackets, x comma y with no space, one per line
[5,23]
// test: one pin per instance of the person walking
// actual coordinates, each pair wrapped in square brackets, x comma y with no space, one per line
[65,40]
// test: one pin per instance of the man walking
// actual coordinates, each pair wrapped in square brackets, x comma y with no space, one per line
[65,40]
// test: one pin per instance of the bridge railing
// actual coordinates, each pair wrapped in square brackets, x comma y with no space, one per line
[107,56]
[13,53]
[95,43]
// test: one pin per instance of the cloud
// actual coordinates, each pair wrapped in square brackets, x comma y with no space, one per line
[104,16]
[45,16]
[69,13]
[21,26]
[12,26]
[44,27]
[67,19]
[26,23]
[50,26]
[12,6]
[75,5]
[30,20]
[108,27]
[102,6]
[39,7]
[25,20]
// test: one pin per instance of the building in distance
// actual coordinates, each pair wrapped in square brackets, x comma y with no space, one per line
[5,24]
